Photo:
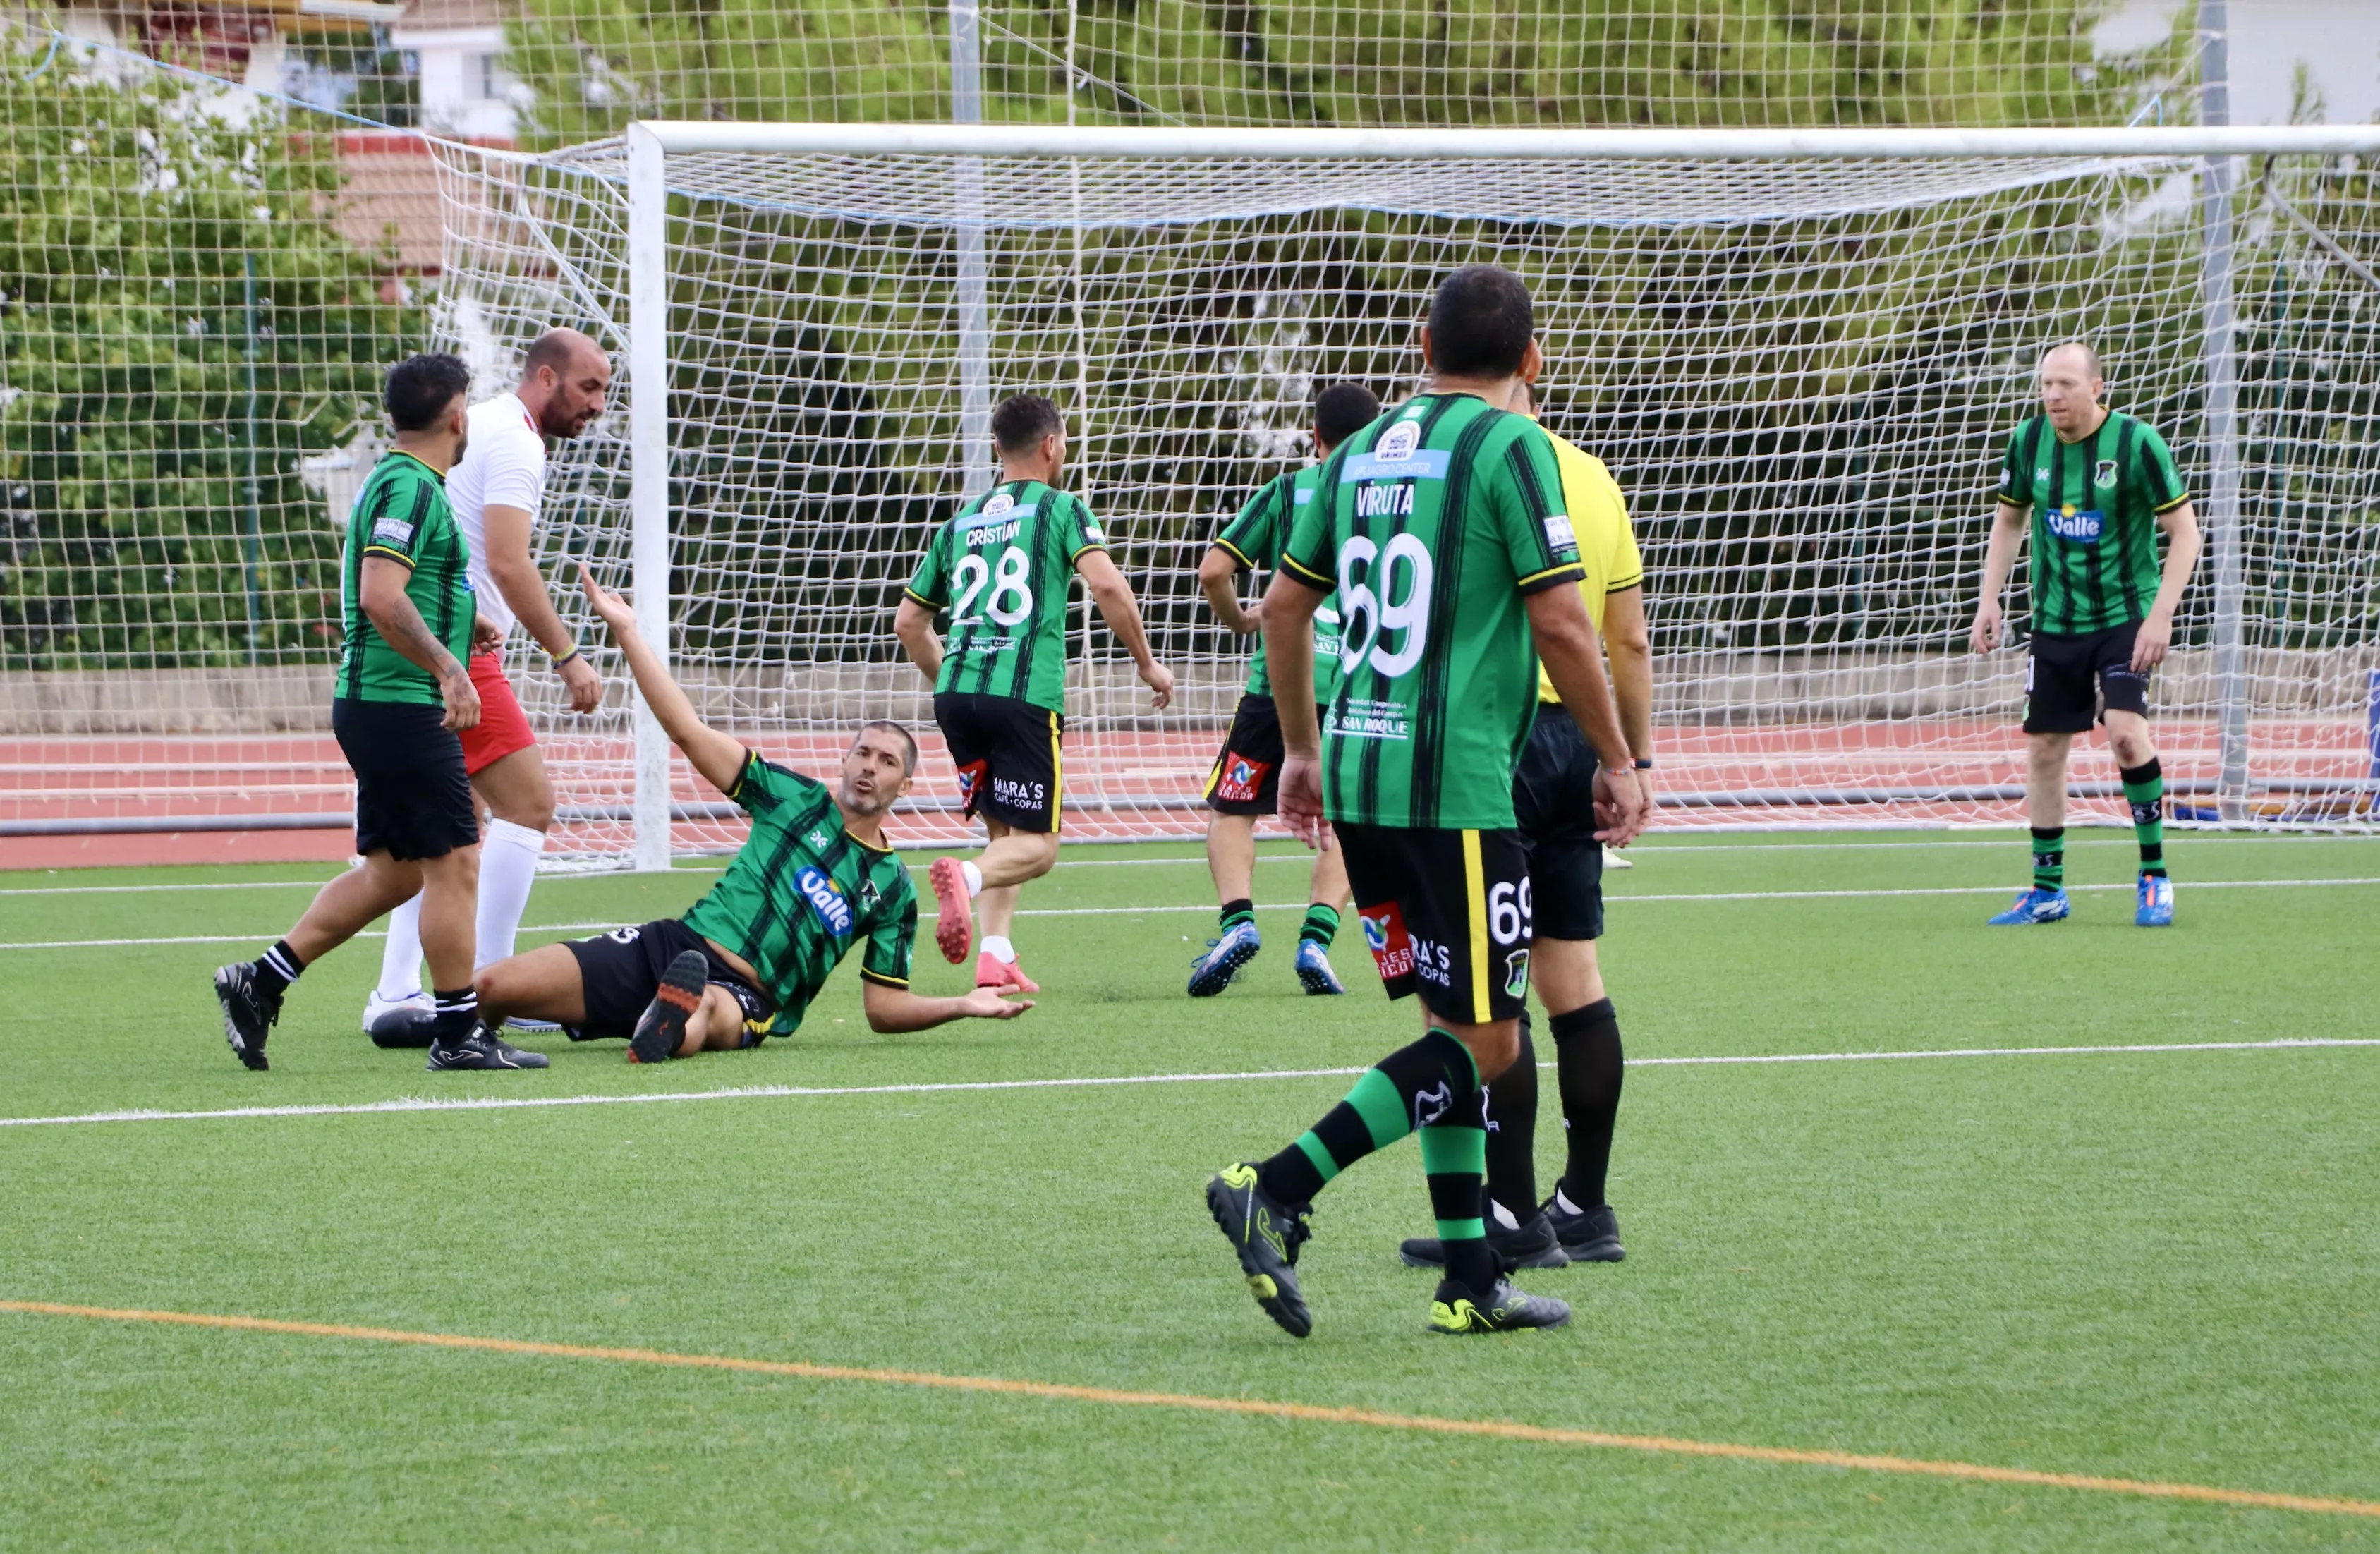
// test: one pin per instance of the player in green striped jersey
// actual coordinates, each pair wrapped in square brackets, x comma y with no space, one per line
[2098,484]
[1004,568]
[1246,781]
[1442,529]
[814,880]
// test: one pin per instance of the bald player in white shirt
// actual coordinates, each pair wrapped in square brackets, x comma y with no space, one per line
[496,491]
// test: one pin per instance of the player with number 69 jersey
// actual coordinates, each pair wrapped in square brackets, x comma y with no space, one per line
[1004,567]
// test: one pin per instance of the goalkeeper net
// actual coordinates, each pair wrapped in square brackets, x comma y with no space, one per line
[1801,371]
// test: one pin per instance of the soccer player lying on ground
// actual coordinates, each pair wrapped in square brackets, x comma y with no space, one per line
[813,878]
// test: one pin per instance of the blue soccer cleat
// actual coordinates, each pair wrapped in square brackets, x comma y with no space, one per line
[1314,969]
[2155,908]
[1213,971]
[2037,906]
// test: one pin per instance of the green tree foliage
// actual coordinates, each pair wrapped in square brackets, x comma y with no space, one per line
[180,322]
[596,64]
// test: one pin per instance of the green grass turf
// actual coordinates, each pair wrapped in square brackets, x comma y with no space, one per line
[2151,1266]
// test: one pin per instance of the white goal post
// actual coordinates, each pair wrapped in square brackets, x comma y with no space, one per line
[1800,351]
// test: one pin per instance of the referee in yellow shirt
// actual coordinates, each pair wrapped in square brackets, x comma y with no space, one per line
[1554,793]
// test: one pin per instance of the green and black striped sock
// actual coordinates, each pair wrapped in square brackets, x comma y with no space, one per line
[1321,925]
[2144,791]
[1432,1080]
[2049,857]
[1234,912]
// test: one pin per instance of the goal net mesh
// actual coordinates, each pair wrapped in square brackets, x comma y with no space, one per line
[1801,372]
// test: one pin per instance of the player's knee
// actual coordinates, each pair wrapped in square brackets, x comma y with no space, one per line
[718,1025]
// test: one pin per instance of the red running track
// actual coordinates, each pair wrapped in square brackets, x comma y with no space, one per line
[1117,783]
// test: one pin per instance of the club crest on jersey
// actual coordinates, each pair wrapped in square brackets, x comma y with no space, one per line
[2083,527]
[2104,476]
[1243,779]
[1385,936]
[1517,974]
[826,899]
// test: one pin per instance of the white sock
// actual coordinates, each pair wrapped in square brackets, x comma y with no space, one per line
[1561,1201]
[1503,1216]
[973,878]
[508,856]
[1000,949]
[400,958]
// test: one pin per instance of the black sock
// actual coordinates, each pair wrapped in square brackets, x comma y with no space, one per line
[1588,1066]
[1237,912]
[1512,1130]
[278,966]
[457,1012]
[1433,1078]
[2049,857]
[1321,923]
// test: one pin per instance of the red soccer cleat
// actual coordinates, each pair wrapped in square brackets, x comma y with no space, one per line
[991,972]
[953,927]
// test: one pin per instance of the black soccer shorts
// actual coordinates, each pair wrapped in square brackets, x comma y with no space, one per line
[1553,794]
[1446,914]
[620,971]
[1246,778]
[2067,679]
[413,800]
[1007,754]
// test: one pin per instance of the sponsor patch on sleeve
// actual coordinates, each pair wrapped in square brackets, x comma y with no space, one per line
[1558,534]
[1093,533]
[393,531]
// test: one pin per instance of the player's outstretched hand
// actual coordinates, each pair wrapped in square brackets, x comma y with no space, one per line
[1160,681]
[585,686]
[461,696]
[1301,801]
[2150,642]
[610,608]
[985,1004]
[1984,635]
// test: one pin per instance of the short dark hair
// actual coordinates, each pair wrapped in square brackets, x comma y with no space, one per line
[1481,323]
[1344,410]
[908,740]
[420,388]
[1021,420]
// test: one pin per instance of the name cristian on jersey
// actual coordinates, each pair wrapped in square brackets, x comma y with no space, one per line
[997,521]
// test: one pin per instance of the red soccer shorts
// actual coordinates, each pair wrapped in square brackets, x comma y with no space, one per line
[502,727]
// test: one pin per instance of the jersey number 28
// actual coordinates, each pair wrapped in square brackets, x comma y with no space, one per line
[1011,599]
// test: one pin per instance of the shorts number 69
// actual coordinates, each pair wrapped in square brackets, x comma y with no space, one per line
[1509,913]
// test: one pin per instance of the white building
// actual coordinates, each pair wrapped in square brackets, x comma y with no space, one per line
[457,49]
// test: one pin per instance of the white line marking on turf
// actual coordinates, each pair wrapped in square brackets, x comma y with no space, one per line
[604,925]
[776,1092]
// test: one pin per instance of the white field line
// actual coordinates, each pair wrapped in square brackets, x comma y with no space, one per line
[778,1092]
[1680,847]
[266,935]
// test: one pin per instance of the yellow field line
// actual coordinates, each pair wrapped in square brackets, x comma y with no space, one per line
[1499,1429]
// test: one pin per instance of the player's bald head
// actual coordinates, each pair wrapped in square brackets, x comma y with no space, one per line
[565,350]
[2078,355]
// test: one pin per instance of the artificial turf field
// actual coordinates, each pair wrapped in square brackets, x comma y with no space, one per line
[2158,1266]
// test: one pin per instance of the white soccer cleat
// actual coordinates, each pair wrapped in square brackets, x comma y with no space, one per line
[377,1007]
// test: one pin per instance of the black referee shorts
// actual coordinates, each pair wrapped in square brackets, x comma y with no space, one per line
[1553,797]
[413,800]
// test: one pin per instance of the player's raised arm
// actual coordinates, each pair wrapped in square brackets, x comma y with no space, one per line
[719,756]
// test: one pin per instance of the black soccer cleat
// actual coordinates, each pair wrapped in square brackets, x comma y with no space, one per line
[1267,1234]
[1453,1309]
[248,1011]
[404,1028]
[1531,1244]
[479,1049]
[660,1029]
[1589,1236]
